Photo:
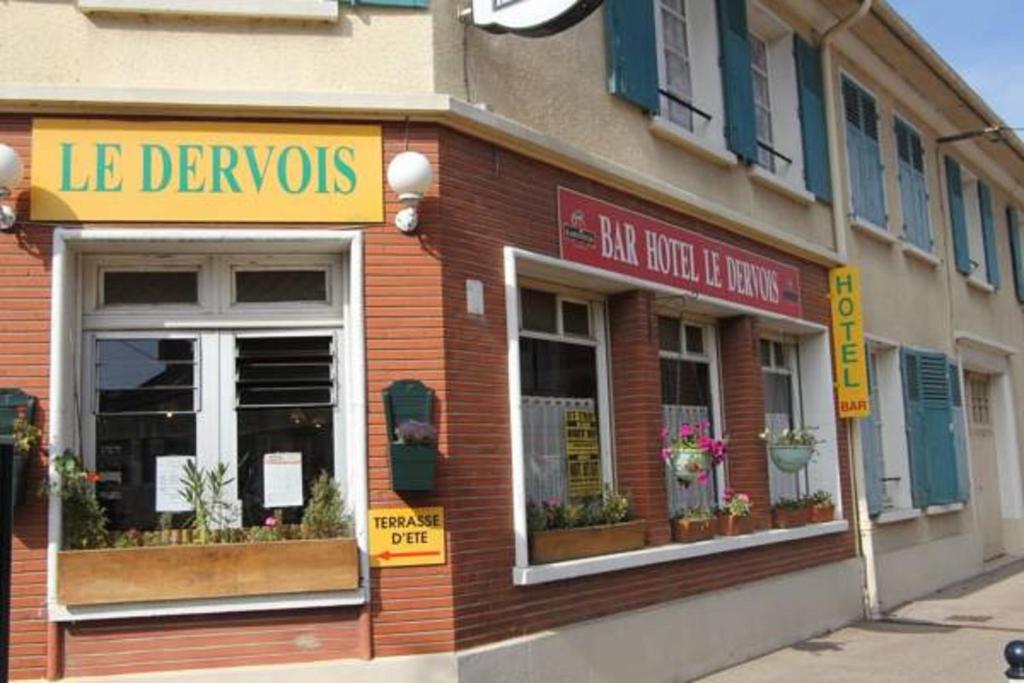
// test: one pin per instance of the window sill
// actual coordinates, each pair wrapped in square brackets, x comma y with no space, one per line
[208,606]
[943,509]
[571,569]
[769,180]
[921,255]
[662,128]
[875,232]
[304,10]
[980,285]
[896,516]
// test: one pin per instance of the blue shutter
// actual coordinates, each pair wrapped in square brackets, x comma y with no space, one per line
[737,81]
[963,478]
[958,217]
[871,445]
[632,45]
[988,232]
[917,448]
[810,86]
[936,399]
[1013,225]
[393,3]
[913,186]
[864,154]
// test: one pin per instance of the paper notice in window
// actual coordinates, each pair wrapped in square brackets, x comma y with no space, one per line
[282,480]
[170,471]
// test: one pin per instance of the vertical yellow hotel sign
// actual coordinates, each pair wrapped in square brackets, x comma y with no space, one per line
[206,171]
[848,335]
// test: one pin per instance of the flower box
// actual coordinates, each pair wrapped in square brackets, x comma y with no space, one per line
[822,513]
[735,525]
[693,530]
[131,575]
[788,518]
[569,544]
[18,479]
[412,467]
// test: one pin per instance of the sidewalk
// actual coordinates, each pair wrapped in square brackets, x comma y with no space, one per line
[957,634]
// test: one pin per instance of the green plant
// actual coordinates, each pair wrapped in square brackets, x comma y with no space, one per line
[615,507]
[789,504]
[820,498]
[791,437]
[696,514]
[204,492]
[325,516]
[83,520]
[737,504]
[608,508]
[26,434]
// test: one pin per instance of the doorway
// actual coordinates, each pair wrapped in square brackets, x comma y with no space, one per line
[984,463]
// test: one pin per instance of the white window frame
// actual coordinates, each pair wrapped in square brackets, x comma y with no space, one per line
[765,74]
[969,183]
[597,341]
[666,102]
[711,357]
[299,10]
[892,418]
[72,249]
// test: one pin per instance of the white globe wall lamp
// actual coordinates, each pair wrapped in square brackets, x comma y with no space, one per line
[11,172]
[409,176]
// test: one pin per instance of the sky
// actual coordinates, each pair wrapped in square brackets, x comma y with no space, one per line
[983,40]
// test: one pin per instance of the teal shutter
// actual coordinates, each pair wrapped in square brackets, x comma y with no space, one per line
[913,186]
[958,216]
[988,232]
[632,45]
[811,90]
[737,81]
[864,154]
[963,478]
[1013,225]
[393,3]
[917,448]
[871,445]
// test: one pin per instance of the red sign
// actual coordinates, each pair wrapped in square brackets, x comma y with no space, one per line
[599,234]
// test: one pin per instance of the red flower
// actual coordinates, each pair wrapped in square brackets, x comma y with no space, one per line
[93,477]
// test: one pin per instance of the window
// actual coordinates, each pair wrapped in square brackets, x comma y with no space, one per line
[972,224]
[150,287]
[863,154]
[981,413]
[674,63]
[561,343]
[762,102]
[883,441]
[689,394]
[216,395]
[913,186]
[779,370]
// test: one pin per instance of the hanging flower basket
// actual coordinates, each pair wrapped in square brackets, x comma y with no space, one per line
[790,459]
[689,463]
[691,452]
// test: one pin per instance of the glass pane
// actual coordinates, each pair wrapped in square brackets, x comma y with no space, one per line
[309,431]
[766,353]
[576,318]
[551,368]
[126,452]
[145,375]
[146,401]
[674,32]
[685,383]
[694,339]
[668,334]
[780,355]
[267,286]
[778,397]
[282,371]
[540,312]
[143,287]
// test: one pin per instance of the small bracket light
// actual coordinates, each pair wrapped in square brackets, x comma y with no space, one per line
[409,176]
[11,173]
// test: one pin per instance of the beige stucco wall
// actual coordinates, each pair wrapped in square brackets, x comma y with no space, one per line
[369,50]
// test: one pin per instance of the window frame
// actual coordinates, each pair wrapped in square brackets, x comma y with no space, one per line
[661,49]
[791,369]
[766,74]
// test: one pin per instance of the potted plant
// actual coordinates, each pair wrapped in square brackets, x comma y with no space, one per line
[691,452]
[791,449]
[788,513]
[26,439]
[694,524]
[567,531]
[822,509]
[734,518]
[99,567]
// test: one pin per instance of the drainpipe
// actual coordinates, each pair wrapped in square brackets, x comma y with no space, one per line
[839,201]
[865,539]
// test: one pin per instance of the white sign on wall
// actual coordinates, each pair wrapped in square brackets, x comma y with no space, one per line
[533,18]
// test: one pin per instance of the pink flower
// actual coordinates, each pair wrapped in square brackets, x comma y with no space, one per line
[705,424]
[666,454]
[685,431]
[703,477]
[664,433]
[270,521]
[743,498]
[705,443]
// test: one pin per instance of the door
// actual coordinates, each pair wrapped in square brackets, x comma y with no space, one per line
[984,464]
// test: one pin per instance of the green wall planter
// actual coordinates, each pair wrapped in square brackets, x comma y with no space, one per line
[791,459]
[412,467]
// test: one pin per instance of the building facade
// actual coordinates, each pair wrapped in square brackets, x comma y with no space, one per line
[630,228]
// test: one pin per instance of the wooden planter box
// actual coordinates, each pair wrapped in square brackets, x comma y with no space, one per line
[570,544]
[412,467]
[125,575]
[822,513]
[693,530]
[789,519]
[731,525]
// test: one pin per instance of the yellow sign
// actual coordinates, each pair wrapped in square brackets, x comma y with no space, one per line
[583,452]
[402,537]
[206,171]
[848,343]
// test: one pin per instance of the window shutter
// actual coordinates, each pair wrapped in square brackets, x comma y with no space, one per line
[737,81]
[915,426]
[1013,225]
[936,399]
[393,3]
[988,232]
[963,478]
[958,216]
[632,45]
[811,91]
[864,154]
[871,446]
